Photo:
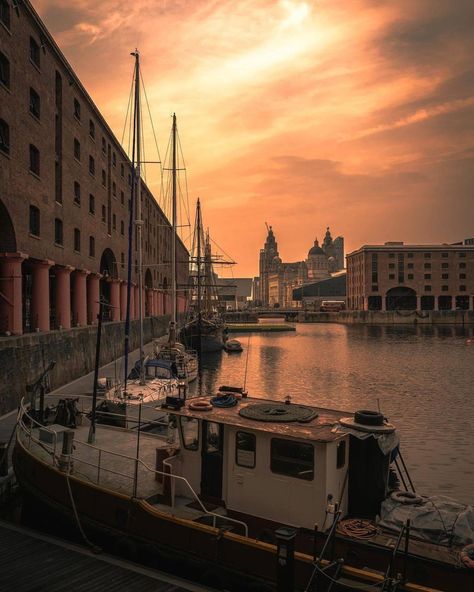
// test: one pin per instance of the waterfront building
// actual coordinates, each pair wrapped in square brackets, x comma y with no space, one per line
[312,294]
[281,281]
[266,262]
[395,276]
[277,279]
[234,293]
[317,263]
[65,186]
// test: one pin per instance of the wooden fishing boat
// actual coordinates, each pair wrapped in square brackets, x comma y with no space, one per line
[210,491]
[204,329]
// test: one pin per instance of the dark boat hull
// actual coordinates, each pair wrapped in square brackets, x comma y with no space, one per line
[134,528]
[211,338]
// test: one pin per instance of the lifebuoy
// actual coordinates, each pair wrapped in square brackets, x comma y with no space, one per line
[369,418]
[200,406]
[406,497]
[467,556]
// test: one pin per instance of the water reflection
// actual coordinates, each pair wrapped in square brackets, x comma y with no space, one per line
[422,376]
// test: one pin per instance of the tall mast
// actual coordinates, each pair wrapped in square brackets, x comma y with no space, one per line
[198,226]
[173,239]
[138,219]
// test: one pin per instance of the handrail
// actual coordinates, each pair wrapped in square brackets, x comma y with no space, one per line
[196,497]
[100,451]
[22,411]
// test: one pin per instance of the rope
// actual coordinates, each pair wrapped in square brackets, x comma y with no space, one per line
[224,401]
[95,548]
[356,528]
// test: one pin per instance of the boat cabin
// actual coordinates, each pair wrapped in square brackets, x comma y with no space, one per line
[265,458]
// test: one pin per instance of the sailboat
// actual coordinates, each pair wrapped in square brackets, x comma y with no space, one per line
[148,381]
[184,362]
[205,329]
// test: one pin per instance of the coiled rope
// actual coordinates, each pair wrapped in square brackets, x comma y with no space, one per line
[356,528]
[229,400]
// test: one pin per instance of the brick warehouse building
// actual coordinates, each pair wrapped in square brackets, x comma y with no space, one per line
[395,276]
[65,185]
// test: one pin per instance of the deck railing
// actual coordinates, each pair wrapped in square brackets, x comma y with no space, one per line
[107,462]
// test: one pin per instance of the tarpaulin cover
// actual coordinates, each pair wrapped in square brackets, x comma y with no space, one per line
[437,519]
[386,442]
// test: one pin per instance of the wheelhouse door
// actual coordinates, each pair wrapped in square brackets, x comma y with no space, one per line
[212,460]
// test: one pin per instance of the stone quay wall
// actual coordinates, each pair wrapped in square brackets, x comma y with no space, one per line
[402,317]
[24,358]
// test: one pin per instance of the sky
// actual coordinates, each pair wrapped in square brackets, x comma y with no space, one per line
[352,114]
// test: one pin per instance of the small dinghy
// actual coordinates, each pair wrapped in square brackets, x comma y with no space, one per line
[232,345]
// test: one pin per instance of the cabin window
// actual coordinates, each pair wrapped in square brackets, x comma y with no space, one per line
[341,454]
[190,432]
[295,459]
[245,447]
[212,441]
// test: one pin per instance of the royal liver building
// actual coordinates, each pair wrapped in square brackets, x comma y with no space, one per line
[277,279]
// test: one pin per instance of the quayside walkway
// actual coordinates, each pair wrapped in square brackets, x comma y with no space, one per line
[30,561]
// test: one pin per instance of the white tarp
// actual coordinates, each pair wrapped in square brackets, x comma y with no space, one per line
[437,519]
[386,442]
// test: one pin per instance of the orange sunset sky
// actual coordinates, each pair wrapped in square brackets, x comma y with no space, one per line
[357,114]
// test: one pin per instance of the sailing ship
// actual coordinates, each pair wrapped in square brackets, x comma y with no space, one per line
[204,329]
[183,361]
[153,378]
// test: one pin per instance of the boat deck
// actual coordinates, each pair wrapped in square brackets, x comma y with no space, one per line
[319,429]
[108,461]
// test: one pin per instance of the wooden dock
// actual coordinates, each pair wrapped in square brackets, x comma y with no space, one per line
[30,562]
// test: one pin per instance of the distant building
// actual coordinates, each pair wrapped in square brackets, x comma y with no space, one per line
[395,276]
[282,280]
[277,279]
[267,256]
[312,294]
[234,293]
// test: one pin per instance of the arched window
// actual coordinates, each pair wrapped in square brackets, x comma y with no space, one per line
[4,137]
[77,240]
[35,103]
[58,231]
[34,160]
[35,52]
[34,221]
[5,13]
[4,70]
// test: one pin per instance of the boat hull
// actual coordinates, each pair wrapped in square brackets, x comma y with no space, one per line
[210,340]
[134,528]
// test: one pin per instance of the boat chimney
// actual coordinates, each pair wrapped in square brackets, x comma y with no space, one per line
[65,461]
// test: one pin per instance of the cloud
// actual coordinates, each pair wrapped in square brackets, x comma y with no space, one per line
[357,113]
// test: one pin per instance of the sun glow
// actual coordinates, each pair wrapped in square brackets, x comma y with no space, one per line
[297,13]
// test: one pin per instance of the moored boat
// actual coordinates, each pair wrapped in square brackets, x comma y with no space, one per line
[216,483]
[204,329]
[233,345]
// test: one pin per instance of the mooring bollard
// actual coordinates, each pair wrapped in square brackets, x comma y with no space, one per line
[65,463]
[285,559]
